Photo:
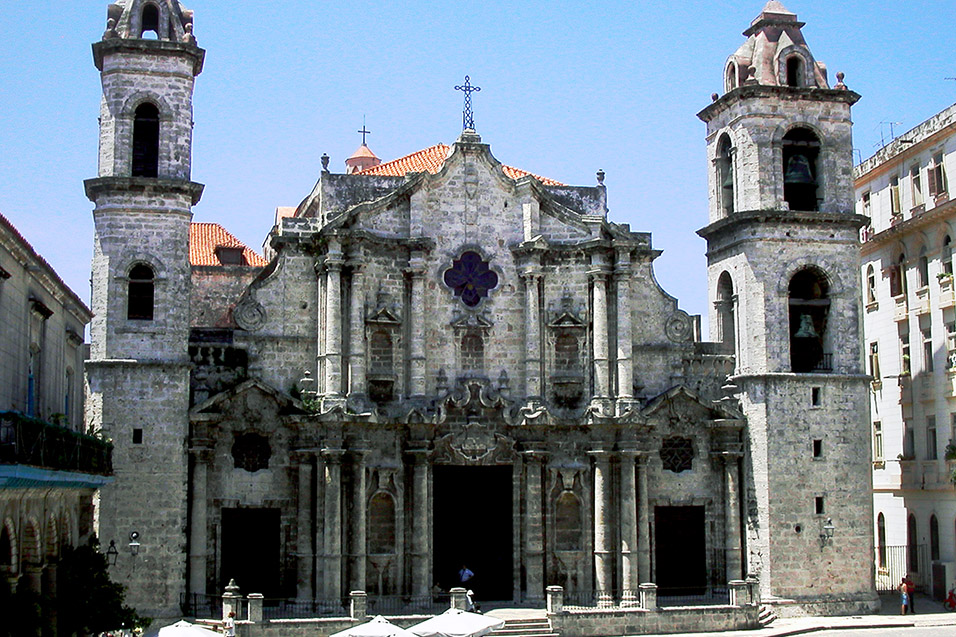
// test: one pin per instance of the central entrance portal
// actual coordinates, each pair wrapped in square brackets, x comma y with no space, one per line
[473,526]
[680,555]
[250,550]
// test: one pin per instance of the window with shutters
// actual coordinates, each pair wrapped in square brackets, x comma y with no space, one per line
[878,443]
[904,353]
[870,284]
[875,361]
[947,255]
[916,186]
[927,335]
[936,175]
[895,207]
[931,452]
[922,269]
[866,204]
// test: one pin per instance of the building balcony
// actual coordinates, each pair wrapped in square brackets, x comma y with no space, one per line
[922,300]
[946,296]
[911,475]
[901,309]
[906,389]
[33,453]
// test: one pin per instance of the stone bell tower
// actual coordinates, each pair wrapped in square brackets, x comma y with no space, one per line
[783,275]
[138,374]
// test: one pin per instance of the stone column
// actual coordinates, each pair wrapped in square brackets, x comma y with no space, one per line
[357,362]
[358,521]
[304,532]
[643,523]
[629,550]
[732,516]
[333,320]
[625,340]
[421,559]
[318,528]
[333,524]
[532,331]
[198,521]
[416,314]
[603,556]
[599,345]
[533,528]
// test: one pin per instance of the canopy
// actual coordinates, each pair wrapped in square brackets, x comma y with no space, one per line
[457,623]
[378,627]
[183,628]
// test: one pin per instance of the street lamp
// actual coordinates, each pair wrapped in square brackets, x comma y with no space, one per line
[112,553]
[134,542]
[826,533]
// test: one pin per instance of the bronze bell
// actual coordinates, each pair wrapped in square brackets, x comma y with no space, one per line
[728,180]
[806,328]
[798,171]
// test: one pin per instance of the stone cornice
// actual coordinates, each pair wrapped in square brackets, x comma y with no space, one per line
[787,93]
[162,48]
[146,185]
[748,217]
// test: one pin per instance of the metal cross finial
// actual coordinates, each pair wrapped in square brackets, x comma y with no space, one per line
[468,116]
[363,131]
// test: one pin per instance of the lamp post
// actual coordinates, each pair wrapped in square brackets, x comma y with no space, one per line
[826,533]
[134,543]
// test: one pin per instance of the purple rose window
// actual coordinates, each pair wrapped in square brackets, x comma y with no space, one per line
[470,278]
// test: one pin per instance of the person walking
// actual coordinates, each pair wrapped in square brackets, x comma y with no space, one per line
[229,625]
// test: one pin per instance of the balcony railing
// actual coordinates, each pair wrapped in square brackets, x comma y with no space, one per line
[33,442]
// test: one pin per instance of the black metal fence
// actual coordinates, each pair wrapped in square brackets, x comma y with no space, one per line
[29,441]
[692,596]
[893,563]
[202,606]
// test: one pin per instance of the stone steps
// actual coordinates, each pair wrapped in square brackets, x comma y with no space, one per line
[766,616]
[525,628]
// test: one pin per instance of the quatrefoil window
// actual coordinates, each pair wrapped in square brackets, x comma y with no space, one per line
[251,452]
[470,278]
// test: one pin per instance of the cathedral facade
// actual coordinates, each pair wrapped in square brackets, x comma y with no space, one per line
[447,361]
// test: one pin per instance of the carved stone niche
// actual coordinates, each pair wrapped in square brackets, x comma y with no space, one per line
[566,341]
[471,333]
[383,335]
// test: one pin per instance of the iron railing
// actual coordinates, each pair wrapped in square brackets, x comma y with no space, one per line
[28,441]
[200,606]
[695,596]
[893,563]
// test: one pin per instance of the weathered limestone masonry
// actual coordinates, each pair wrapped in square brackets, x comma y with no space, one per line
[783,269]
[448,339]
[138,372]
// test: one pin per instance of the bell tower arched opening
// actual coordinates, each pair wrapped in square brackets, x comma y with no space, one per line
[146,141]
[725,175]
[809,299]
[794,71]
[150,23]
[726,320]
[801,148]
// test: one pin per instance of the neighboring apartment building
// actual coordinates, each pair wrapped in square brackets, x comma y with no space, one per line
[48,472]
[910,340]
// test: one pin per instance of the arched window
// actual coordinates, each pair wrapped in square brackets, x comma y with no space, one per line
[809,310]
[139,303]
[381,524]
[567,522]
[731,80]
[150,23]
[881,540]
[146,141]
[725,175]
[933,538]
[912,548]
[800,176]
[794,71]
[725,311]
[922,268]
[947,255]
[870,284]
[472,352]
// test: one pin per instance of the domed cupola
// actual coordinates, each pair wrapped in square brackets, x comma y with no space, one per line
[775,54]
[149,20]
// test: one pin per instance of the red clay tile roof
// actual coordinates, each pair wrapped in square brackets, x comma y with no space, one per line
[431,160]
[204,238]
[363,151]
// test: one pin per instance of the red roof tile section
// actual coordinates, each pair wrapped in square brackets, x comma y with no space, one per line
[204,238]
[431,160]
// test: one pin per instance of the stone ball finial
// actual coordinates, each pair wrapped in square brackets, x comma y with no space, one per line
[110,29]
[840,84]
[600,176]
[714,97]
[188,36]
[325,162]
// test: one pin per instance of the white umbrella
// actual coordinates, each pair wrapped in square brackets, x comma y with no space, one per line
[378,627]
[183,628]
[457,623]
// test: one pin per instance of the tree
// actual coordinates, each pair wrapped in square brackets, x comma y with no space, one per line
[89,603]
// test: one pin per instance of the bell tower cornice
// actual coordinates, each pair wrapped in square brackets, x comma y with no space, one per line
[157,48]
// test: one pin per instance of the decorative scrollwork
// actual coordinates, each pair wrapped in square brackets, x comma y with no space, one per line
[249,314]
[678,327]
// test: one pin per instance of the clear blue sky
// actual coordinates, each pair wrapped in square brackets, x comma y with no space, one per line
[567,88]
